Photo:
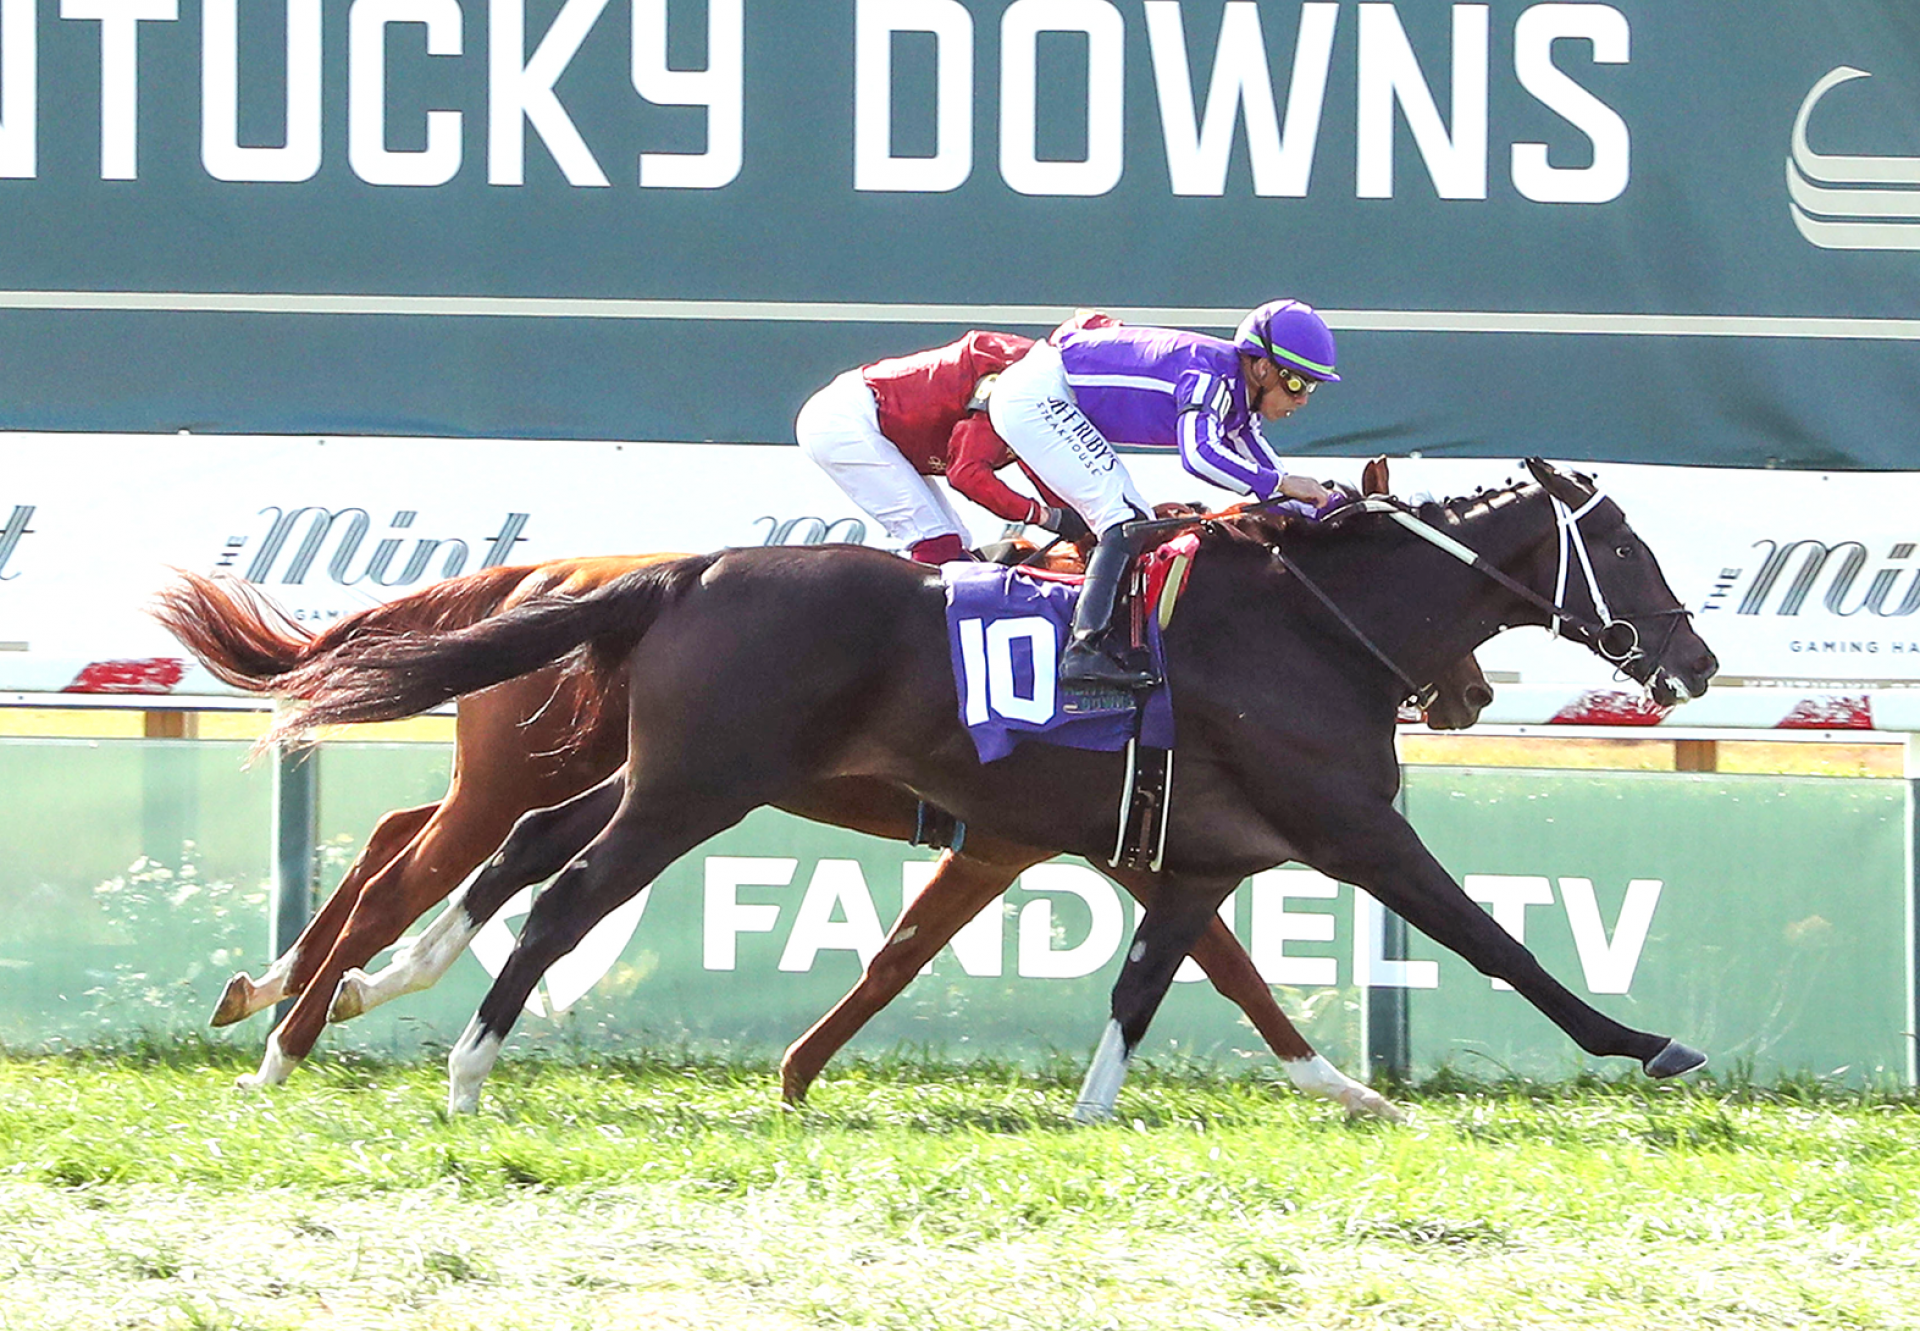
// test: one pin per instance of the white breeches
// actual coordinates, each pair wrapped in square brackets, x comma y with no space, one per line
[839,428]
[1034,410]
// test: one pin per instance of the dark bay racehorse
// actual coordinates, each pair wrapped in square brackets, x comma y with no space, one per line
[1287,665]
[539,739]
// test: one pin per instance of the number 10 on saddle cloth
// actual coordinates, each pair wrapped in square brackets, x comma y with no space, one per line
[1005,629]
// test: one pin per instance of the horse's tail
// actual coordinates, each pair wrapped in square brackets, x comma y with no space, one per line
[383,676]
[246,641]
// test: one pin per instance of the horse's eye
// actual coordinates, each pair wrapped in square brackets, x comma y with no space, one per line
[1623,551]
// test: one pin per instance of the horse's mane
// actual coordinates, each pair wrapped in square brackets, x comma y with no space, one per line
[1466,508]
[1240,528]
[1247,530]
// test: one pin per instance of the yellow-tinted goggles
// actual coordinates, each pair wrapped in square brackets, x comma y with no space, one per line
[1296,383]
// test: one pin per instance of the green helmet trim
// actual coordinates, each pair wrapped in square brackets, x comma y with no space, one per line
[1281,353]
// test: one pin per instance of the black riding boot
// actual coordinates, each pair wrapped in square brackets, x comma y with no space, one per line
[1093,659]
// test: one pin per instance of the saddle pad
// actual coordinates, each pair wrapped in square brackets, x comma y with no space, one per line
[1005,629]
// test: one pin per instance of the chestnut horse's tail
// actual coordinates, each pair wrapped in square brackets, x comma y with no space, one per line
[379,674]
[246,641]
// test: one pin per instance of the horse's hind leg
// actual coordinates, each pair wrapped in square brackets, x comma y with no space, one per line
[1176,918]
[294,969]
[455,840]
[505,746]
[1218,953]
[649,832]
[539,846]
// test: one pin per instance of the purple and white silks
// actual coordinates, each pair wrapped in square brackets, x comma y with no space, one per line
[1005,630]
[1164,387]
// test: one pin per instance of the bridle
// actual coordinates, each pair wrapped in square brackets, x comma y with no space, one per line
[1594,633]
[1613,637]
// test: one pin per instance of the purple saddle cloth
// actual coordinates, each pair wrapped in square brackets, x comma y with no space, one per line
[1005,629]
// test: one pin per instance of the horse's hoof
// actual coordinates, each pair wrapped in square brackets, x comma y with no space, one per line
[793,1086]
[250,1081]
[1675,1059]
[1365,1102]
[236,1002]
[350,998]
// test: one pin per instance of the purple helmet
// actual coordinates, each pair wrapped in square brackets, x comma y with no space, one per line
[1291,333]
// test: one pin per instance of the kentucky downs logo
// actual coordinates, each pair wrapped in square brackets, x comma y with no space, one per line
[544,71]
[1842,202]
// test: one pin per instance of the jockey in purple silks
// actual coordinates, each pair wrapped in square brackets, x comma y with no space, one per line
[1061,408]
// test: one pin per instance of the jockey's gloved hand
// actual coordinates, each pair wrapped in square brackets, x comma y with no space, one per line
[1063,522]
[1333,503]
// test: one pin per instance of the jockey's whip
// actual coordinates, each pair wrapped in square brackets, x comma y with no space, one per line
[1040,552]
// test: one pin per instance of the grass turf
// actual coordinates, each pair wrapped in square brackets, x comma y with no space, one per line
[141,1190]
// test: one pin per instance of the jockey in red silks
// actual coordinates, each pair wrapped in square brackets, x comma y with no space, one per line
[883,430]
[1062,407]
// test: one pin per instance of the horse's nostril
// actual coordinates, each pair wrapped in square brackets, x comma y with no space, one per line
[1479,696]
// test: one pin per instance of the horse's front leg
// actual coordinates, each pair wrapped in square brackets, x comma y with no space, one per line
[960,889]
[1375,849]
[1177,916]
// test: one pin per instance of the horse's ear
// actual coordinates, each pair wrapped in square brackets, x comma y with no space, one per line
[1373,478]
[1567,489]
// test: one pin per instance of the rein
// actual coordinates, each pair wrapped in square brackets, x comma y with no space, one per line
[1572,549]
[1414,691]
[1479,563]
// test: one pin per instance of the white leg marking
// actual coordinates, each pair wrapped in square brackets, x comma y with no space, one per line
[467,1067]
[275,1067]
[243,997]
[1318,1077]
[272,986]
[1102,1087]
[417,966]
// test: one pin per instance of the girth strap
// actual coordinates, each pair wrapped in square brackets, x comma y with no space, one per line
[937,829]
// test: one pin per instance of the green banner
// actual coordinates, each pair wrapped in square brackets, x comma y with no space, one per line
[1773,912]
[1653,230]
[1764,919]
